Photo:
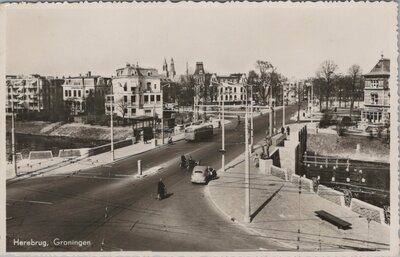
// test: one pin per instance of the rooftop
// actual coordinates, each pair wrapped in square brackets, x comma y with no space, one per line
[381,68]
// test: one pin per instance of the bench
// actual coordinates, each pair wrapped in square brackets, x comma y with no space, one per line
[341,224]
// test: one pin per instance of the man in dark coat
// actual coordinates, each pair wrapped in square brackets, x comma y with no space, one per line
[160,189]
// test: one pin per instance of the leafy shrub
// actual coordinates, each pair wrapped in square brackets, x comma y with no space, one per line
[346,121]
[325,121]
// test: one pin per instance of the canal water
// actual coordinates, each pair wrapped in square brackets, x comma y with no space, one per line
[26,143]
[368,181]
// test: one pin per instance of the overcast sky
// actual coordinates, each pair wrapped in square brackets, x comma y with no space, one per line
[228,38]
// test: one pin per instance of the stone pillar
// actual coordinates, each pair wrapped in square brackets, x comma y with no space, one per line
[265,166]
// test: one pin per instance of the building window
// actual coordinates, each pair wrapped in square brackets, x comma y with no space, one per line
[155,86]
[132,89]
[226,97]
[66,93]
[152,98]
[125,111]
[158,98]
[147,111]
[234,89]
[125,98]
[146,98]
[374,98]
[79,93]
[133,98]
[148,85]
[74,93]
[133,110]
[125,88]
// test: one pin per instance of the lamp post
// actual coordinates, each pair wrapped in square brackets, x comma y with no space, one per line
[283,106]
[223,128]
[247,168]
[251,120]
[162,111]
[112,128]
[312,103]
[14,160]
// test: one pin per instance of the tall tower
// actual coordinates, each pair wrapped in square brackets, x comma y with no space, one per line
[165,68]
[172,71]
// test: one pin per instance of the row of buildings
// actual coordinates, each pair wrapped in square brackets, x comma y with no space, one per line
[135,91]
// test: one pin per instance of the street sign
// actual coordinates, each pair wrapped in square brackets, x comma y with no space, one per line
[222,151]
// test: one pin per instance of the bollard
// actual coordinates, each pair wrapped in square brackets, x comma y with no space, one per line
[139,166]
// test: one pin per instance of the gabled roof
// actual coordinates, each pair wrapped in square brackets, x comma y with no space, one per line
[381,68]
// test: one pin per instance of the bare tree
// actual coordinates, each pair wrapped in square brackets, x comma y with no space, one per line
[121,106]
[266,70]
[327,72]
[355,74]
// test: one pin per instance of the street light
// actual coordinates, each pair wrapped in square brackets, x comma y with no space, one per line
[14,161]
[283,106]
[222,127]
[112,128]
[162,111]
[247,165]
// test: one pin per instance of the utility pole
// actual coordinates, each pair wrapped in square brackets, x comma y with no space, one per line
[251,120]
[112,127]
[223,136]
[247,169]
[312,103]
[283,106]
[14,159]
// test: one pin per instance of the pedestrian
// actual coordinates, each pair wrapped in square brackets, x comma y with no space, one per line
[288,130]
[256,160]
[283,130]
[160,189]
[238,119]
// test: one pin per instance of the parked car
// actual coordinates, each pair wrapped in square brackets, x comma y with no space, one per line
[201,174]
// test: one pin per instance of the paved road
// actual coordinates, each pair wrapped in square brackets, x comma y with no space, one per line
[112,210]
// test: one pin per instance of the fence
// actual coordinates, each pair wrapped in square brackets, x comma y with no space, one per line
[35,155]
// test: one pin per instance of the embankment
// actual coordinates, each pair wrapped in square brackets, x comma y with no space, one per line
[345,147]
[71,130]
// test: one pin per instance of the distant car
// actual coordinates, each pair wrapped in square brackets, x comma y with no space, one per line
[200,175]
[168,130]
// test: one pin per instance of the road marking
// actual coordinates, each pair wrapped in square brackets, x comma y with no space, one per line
[133,225]
[40,202]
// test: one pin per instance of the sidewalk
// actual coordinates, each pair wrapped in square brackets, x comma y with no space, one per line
[64,165]
[279,212]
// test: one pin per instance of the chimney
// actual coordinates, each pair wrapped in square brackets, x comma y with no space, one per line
[89,73]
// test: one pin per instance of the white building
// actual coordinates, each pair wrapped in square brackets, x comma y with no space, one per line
[77,89]
[25,93]
[290,89]
[230,89]
[137,92]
